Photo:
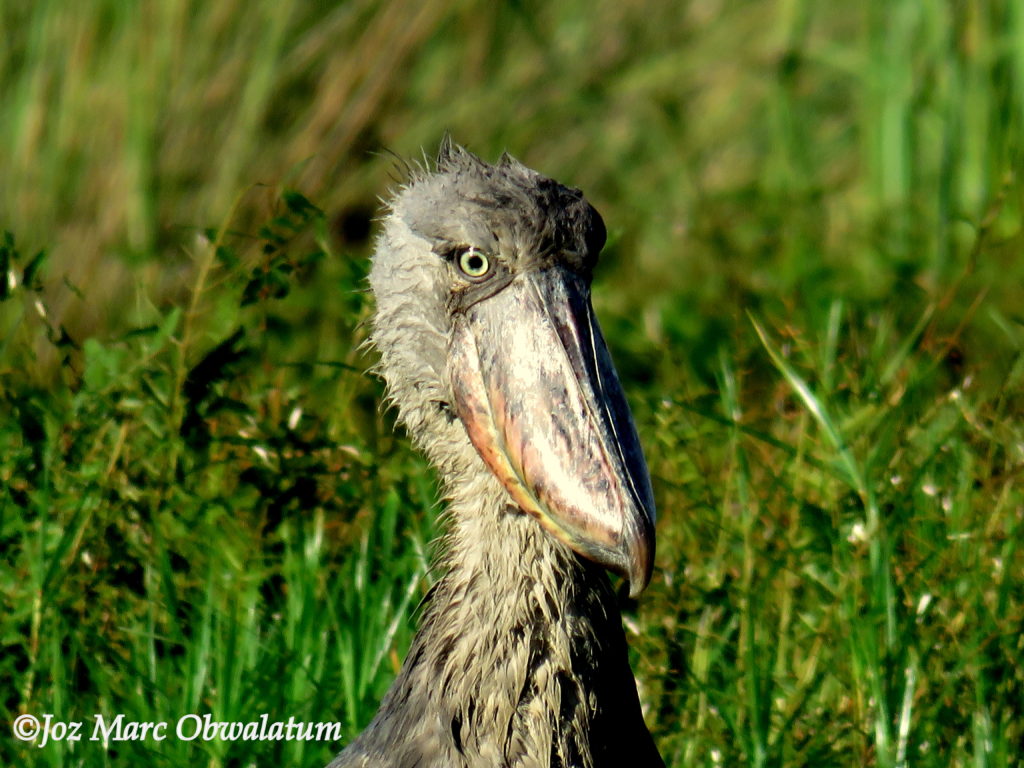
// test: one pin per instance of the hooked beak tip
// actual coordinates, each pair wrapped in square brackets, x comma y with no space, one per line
[640,559]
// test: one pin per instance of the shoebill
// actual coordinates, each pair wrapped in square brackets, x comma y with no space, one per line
[493,357]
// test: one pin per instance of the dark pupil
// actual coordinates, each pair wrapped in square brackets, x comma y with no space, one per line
[474,263]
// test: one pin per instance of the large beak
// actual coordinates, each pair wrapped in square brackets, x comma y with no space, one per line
[538,394]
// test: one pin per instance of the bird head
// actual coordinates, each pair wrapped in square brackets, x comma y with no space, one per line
[491,351]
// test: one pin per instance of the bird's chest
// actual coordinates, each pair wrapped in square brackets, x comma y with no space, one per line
[522,687]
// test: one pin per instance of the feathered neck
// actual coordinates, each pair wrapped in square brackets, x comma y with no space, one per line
[520,659]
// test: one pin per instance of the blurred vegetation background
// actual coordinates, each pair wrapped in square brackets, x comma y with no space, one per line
[813,291]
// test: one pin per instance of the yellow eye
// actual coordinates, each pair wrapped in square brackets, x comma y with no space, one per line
[474,264]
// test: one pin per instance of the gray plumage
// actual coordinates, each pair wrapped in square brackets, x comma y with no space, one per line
[520,659]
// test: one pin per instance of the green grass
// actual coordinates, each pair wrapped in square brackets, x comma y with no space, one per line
[812,290]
